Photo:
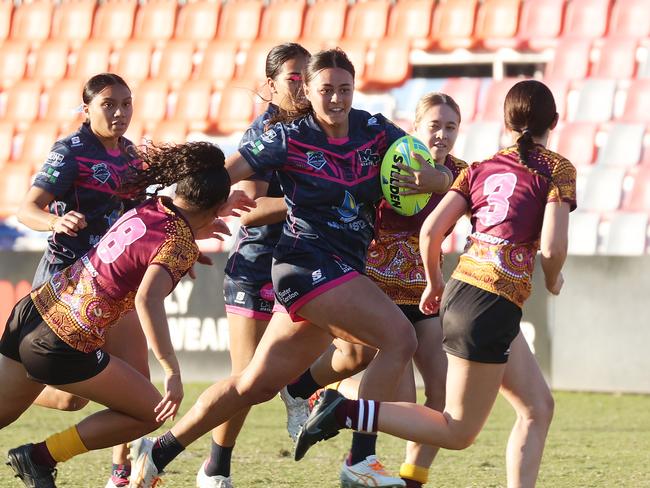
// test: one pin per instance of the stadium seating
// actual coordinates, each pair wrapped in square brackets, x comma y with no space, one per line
[603,189]
[390,65]
[155,21]
[638,198]
[63,101]
[23,102]
[623,146]
[6,141]
[576,142]
[240,21]
[134,61]
[51,62]
[570,60]
[176,62]
[465,93]
[236,107]
[73,21]
[367,21]
[494,97]
[282,21]
[14,180]
[453,24]
[410,21]
[586,18]
[596,100]
[540,24]
[114,21]
[218,62]
[630,18]
[91,58]
[150,102]
[6,11]
[36,143]
[31,22]
[323,24]
[193,103]
[197,21]
[637,103]
[254,66]
[496,24]
[170,131]
[583,233]
[617,59]
[627,234]
[13,62]
[481,140]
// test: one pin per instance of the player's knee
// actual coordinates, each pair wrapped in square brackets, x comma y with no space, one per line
[461,441]
[71,403]
[406,344]
[256,390]
[541,412]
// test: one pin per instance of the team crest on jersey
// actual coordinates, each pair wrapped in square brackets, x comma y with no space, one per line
[367,157]
[268,136]
[100,172]
[349,210]
[316,159]
[54,159]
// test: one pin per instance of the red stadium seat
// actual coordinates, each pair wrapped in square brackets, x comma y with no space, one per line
[410,21]
[218,62]
[13,61]
[134,61]
[540,24]
[51,62]
[465,92]
[596,100]
[453,24]
[114,21]
[170,131]
[37,141]
[73,21]
[586,18]
[617,59]
[15,180]
[176,62]
[31,22]
[367,21]
[560,89]
[570,60]
[253,69]
[576,142]
[63,101]
[630,18]
[155,20]
[623,146]
[150,102]
[23,102]
[6,141]
[282,21]
[357,53]
[492,107]
[197,21]
[391,66]
[193,104]
[6,10]
[637,103]
[92,57]
[482,140]
[638,198]
[497,23]
[236,108]
[324,23]
[603,189]
[240,21]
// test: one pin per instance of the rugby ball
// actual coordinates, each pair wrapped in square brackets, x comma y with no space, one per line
[400,152]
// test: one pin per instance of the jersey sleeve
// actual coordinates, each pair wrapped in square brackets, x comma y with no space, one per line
[563,183]
[461,184]
[393,132]
[177,253]
[268,151]
[59,171]
[251,134]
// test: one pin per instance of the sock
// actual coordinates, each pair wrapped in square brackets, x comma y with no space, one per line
[361,415]
[363,445]
[416,475]
[219,462]
[65,445]
[120,473]
[40,455]
[165,450]
[304,386]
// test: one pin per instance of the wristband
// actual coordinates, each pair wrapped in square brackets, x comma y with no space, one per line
[52,222]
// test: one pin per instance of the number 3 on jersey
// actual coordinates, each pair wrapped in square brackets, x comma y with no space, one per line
[114,243]
[498,188]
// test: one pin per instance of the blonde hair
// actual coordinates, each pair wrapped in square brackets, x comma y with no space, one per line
[431,100]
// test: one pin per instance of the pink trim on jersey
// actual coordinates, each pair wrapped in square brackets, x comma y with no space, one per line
[113,152]
[251,314]
[293,309]
[337,140]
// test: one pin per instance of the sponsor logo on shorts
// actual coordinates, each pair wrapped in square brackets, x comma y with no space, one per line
[316,159]
[317,276]
[240,297]
[100,355]
[54,159]
[344,267]
[287,294]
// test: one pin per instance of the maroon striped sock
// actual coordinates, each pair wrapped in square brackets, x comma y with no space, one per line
[361,415]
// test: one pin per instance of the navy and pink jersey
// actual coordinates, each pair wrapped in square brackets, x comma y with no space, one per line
[82,301]
[507,200]
[330,185]
[83,176]
[394,260]
[251,255]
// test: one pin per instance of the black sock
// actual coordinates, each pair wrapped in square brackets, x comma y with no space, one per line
[363,445]
[304,386]
[412,483]
[165,450]
[219,462]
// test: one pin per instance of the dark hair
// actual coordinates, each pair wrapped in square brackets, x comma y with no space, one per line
[434,99]
[530,109]
[329,58]
[280,54]
[197,168]
[98,82]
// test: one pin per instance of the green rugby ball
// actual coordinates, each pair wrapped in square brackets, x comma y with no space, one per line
[400,152]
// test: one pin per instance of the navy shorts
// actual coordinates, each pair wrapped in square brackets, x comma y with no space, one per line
[253,300]
[300,276]
[47,359]
[477,325]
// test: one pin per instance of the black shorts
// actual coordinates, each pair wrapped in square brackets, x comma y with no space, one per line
[300,276]
[477,325]
[414,314]
[253,300]
[47,359]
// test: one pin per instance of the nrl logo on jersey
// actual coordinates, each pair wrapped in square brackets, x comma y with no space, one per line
[316,159]
[367,157]
[100,172]
[75,141]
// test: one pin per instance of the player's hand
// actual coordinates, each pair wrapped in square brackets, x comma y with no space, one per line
[237,202]
[70,223]
[424,180]
[216,229]
[202,259]
[555,288]
[430,300]
[169,405]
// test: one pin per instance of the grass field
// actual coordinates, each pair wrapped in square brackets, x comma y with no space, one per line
[596,440]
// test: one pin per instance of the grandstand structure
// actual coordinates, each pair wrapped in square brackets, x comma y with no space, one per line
[195,68]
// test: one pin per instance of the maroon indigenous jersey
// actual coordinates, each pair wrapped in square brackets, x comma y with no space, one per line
[82,301]
[507,200]
[393,260]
